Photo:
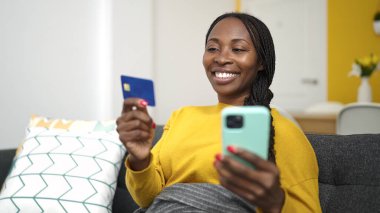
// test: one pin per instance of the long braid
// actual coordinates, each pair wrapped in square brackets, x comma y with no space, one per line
[260,93]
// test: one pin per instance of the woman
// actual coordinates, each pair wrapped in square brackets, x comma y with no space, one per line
[239,61]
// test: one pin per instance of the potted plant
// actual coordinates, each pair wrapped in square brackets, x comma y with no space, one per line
[364,67]
[376,23]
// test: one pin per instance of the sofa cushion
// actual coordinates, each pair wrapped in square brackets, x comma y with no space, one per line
[73,125]
[349,176]
[6,157]
[64,166]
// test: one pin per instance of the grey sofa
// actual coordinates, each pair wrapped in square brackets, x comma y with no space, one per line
[349,176]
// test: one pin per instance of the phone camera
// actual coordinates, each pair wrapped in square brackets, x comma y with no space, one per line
[235,121]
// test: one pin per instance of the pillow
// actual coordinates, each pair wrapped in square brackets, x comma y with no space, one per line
[73,125]
[70,125]
[70,169]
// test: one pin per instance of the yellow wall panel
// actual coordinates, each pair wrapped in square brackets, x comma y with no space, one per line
[350,35]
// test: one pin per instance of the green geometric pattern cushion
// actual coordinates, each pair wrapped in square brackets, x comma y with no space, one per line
[63,171]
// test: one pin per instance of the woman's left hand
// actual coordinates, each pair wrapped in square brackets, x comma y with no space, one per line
[259,186]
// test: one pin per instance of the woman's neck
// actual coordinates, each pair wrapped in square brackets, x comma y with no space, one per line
[236,101]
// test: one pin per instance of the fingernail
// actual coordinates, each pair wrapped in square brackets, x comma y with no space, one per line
[153,125]
[143,103]
[218,157]
[231,149]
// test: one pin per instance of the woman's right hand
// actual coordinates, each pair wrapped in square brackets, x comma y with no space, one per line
[136,131]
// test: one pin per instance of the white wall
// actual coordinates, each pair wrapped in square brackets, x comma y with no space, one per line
[299,31]
[63,59]
[48,62]
[132,45]
[180,30]
[46,56]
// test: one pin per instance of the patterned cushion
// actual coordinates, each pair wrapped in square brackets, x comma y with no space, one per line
[68,169]
[70,125]
[73,125]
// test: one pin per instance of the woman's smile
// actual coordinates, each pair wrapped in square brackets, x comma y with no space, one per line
[222,77]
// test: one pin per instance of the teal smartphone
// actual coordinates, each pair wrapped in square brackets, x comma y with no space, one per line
[247,127]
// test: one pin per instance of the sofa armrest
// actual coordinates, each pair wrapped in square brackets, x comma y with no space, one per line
[6,158]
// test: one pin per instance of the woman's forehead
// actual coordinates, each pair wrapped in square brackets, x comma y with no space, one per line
[231,27]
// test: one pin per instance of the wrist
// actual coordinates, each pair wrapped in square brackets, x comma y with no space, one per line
[277,207]
[138,164]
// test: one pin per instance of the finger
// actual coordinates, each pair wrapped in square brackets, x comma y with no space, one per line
[256,186]
[258,162]
[132,125]
[234,180]
[263,179]
[239,169]
[135,136]
[242,174]
[135,115]
[255,199]
[130,104]
[251,198]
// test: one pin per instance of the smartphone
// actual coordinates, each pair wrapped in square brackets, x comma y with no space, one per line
[247,127]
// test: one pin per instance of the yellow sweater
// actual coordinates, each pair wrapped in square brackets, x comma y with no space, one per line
[192,137]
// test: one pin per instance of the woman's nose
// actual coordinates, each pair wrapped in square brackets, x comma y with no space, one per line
[222,58]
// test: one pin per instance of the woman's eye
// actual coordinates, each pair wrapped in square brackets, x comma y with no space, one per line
[212,49]
[238,50]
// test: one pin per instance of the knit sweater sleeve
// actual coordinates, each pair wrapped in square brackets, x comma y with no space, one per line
[146,184]
[298,167]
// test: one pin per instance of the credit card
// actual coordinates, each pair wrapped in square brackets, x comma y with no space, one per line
[138,88]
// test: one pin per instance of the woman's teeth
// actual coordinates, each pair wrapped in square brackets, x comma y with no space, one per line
[225,75]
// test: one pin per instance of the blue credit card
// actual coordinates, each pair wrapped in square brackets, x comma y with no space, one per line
[138,88]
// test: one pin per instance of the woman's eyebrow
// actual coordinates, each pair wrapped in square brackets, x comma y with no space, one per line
[213,39]
[236,40]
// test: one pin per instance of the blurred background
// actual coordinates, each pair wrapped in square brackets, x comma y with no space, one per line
[63,59]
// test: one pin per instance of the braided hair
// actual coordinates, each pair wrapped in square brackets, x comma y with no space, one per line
[260,94]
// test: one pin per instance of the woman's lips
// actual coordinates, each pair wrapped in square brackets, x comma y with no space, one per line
[224,77]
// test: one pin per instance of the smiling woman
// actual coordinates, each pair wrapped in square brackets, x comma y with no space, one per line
[180,173]
[230,61]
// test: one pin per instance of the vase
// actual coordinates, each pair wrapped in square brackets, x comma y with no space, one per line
[364,91]
[376,27]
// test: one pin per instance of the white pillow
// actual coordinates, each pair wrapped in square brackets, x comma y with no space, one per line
[73,125]
[63,171]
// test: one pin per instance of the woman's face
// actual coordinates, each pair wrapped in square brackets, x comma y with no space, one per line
[230,61]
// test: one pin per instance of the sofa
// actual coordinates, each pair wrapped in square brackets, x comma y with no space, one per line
[349,173]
